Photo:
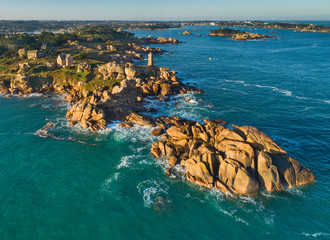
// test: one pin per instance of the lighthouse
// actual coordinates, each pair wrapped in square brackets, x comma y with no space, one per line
[150,59]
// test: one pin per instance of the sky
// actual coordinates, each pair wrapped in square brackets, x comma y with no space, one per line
[165,10]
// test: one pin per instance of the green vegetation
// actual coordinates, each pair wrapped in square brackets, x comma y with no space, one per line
[103,34]
[225,32]
[100,84]
[276,25]
[37,69]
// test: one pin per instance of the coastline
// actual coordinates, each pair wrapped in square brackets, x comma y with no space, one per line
[231,159]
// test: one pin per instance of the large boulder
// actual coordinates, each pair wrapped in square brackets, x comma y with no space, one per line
[242,152]
[157,132]
[140,120]
[113,70]
[20,85]
[88,115]
[228,134]
[197,172]
[235,176]
[259,140]
[291,171]
[268,175]
[177,133]
[130,72]
[84,66]
[3,88]
[165,89]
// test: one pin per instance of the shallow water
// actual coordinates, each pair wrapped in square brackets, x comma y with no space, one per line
[66,190]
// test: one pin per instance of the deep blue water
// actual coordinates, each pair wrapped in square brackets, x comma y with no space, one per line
[53,189]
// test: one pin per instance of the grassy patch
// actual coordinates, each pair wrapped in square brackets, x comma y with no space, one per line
[101,84]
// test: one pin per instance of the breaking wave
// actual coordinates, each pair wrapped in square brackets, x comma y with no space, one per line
[285,92]
[315,235]
[150,189]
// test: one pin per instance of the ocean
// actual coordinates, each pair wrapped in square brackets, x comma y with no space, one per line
[108,189]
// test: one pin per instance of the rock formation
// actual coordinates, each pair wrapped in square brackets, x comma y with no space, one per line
[186,33]
[114,70]
[248,36]
[124,102]
[241,160]
[20,85]
[237,34]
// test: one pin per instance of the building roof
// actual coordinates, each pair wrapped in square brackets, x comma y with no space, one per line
[33,51]
[64,56]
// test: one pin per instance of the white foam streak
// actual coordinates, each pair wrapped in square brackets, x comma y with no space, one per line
[285,92]
[315,235]
[150,189]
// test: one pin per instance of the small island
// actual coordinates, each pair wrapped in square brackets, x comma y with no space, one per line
[237,34]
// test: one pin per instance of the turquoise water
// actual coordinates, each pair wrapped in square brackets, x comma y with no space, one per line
[53,189]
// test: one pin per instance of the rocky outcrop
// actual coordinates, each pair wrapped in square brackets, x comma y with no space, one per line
[84,66]
[248,36]
[88,115]
[23,67]
[242,160]
[258,139]
[159,40]
[20,85]
[4,87]
[268,174]
[186,33]
[114,70]
[165,83]
[237,34]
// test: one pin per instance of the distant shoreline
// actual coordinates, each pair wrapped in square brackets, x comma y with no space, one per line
[17,26]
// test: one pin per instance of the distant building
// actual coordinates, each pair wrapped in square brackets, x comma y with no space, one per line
[33,54]
[150,59]
[64,60]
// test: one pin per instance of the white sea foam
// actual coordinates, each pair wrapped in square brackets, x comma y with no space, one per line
[240,205]
[134,134]
[233,90]
[315,235]
[126,161]
[28,96]
[287,49]
[275,89]
[150,189]
[241,220]
[326,101]
[295,191]
[106,186]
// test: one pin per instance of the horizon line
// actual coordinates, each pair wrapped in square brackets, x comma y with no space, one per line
[205,20]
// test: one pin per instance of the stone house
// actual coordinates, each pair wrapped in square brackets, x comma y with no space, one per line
[64,60]
[33,54]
